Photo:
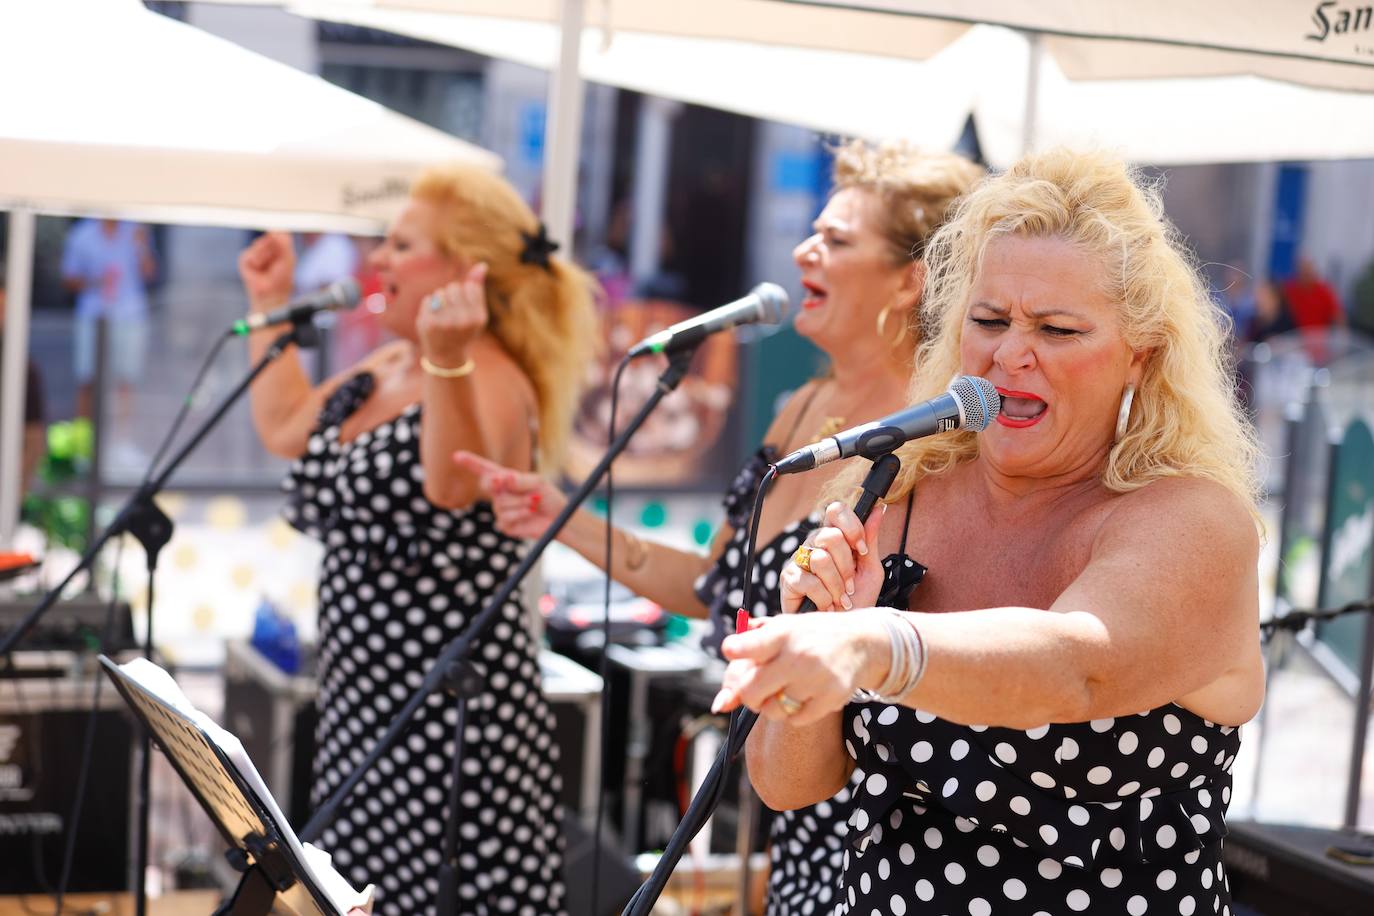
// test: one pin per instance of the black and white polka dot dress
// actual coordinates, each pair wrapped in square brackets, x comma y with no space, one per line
[806,846]
[1113,816]
[400,578]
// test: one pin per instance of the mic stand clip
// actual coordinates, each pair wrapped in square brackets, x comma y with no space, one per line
[263,878]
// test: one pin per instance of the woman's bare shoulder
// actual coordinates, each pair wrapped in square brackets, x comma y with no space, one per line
[1185,510]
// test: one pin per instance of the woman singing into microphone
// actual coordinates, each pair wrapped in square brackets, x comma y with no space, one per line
[1048,722]
[494,333]
[862,270]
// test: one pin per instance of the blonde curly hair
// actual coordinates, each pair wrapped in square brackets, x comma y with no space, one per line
[916,188]
[915,191]
[1185,420]
[543,316]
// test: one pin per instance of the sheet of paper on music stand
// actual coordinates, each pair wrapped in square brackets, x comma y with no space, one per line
[161,685]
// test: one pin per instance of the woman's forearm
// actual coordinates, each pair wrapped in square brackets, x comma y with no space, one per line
[1011,666]
[663,574]
[279,396]
[794,766]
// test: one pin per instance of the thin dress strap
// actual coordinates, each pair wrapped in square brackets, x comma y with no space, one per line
[801,414]
[906,524]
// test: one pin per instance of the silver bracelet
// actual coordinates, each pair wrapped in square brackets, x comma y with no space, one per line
[908,661]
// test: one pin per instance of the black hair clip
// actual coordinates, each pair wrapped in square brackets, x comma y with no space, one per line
[538,247]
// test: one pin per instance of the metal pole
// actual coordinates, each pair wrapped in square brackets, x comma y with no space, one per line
[1036,47]
[563,131]
[1353,780]
[650,200]
[13,366]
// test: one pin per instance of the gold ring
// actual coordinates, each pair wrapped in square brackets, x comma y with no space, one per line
[790,707]
[803,557]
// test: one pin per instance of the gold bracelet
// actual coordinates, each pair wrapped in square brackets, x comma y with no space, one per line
[635,551]
[440,372]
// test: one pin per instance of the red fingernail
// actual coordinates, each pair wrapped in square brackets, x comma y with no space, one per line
[742,621]
[535,497]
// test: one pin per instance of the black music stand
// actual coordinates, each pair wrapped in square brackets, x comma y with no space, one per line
[276,878]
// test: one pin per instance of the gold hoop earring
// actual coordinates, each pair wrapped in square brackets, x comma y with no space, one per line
[1123,414]
[882,327]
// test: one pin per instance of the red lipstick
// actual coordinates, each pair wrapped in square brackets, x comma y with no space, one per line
[1020,422]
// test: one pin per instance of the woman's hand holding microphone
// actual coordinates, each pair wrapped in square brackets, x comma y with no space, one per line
[799,668]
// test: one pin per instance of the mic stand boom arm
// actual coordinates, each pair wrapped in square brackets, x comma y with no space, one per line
[140,516]
[449,666]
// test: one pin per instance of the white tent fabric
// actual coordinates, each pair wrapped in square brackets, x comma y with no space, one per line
[750,21]
[985,72]
[811,87]
[112,109]
[1161,121]
[746,56]
[1319,44]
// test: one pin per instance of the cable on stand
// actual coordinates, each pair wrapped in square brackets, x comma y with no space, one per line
[150,526]
[875,486]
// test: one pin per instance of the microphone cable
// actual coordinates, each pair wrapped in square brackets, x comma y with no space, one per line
[88,741]
[108,637]
[881,474]
[184,408]
[712,789]
[604,665]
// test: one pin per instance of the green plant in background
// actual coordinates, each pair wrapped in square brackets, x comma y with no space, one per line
[62,518]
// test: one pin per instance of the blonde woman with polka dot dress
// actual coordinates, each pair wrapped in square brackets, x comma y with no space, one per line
[1091,599]
[862,273]
[492,334]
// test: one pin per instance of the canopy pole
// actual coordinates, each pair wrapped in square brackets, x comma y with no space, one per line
[1035,44]
[564,128]
[13,365]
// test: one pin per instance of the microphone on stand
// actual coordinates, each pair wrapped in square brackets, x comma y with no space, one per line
[341,294]
[766,304]
[970,403]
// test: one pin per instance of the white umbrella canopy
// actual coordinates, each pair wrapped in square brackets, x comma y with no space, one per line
[813,86]
[759,22]
[126,111]
[752,57]
[1326,44]
[939,78]
[1161,121]
[114,110]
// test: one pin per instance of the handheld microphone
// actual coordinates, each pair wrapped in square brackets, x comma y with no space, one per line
[341,294]
[765,304]
[970,403]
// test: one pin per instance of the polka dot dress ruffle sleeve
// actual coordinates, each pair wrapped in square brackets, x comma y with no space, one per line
[400,578]
[1120,815]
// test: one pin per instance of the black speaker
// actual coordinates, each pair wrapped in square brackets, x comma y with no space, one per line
[618,878]
[1282,870]
[42,734]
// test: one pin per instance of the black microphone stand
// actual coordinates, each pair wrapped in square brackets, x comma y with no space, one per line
[150,526]
[452,670]
[875,486]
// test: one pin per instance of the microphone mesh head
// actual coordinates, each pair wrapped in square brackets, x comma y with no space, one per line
[345,293]
[773,303]
[978,400]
